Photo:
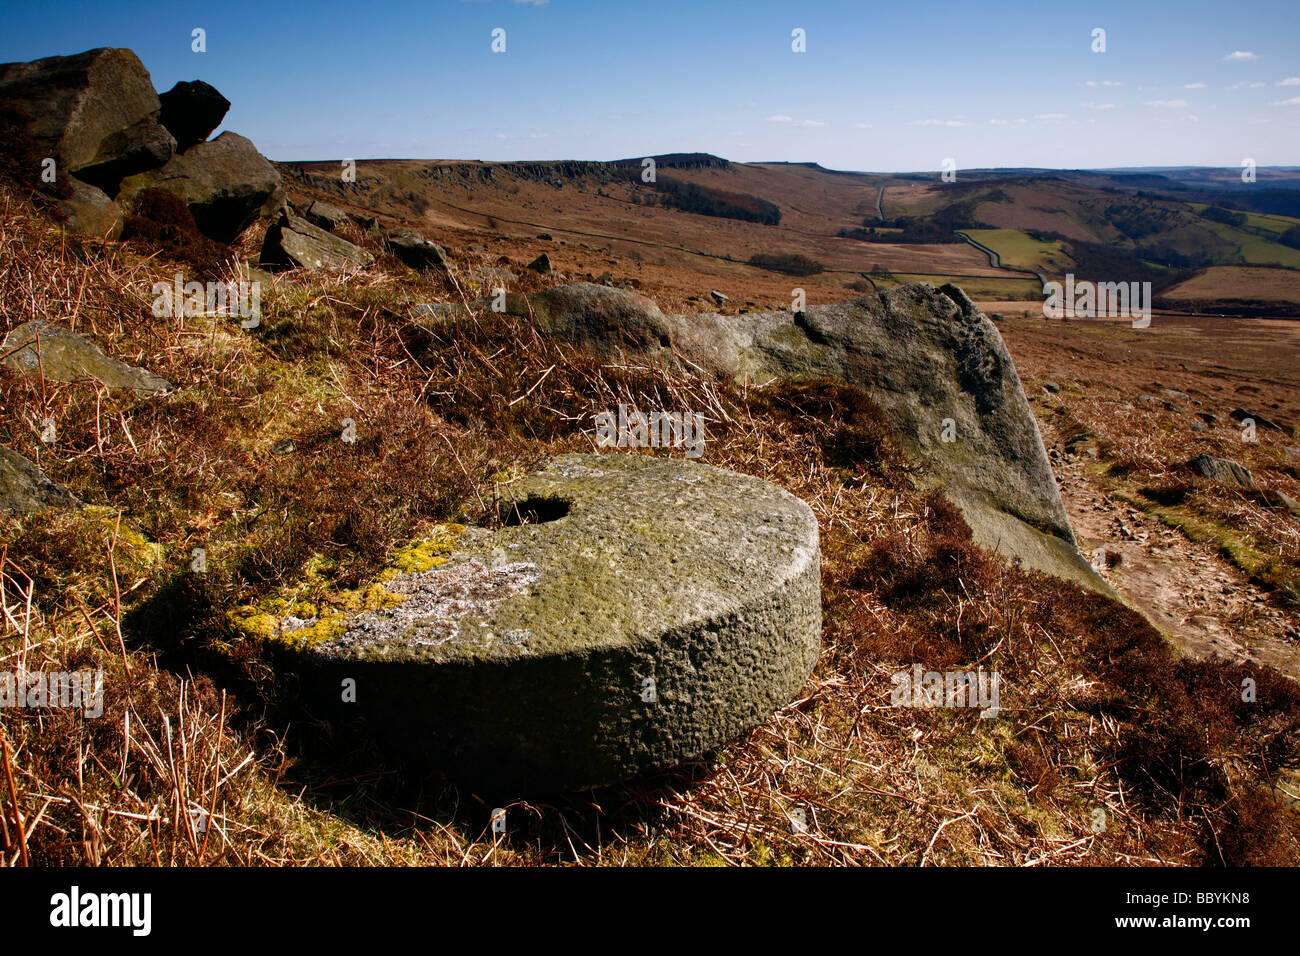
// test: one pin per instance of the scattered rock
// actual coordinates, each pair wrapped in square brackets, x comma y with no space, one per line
[544,235]
[1240,415]
[292,241]
[24,488]
[646,611]
[191,110]
[541,264]
[417,251]
[718,297]
[43,348]
[1052,387]
[324,215]
[91,213]
[1278,499]
[226,183]
[1222,470]
[1208,417]
[1200,427]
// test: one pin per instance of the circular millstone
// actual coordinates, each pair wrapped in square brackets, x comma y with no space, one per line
[633,612]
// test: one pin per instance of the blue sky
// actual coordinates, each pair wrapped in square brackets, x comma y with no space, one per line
[881,87]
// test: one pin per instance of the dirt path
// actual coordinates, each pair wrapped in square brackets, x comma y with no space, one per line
[1188,589]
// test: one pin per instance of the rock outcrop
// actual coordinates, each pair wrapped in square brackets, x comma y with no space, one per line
[634,612]
[225,182]
[99,117]
[927,356]
[86,109]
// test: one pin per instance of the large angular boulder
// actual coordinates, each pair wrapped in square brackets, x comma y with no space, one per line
[24,488]
[90,212]
[293,241]
[926,355]
[225,182]
[61,355]
[90,110]
[632,613]
[191,110]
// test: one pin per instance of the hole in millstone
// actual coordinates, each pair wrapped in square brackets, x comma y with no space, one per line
[532,510]
[663,341]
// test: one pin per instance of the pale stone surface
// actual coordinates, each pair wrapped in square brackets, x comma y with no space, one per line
[667,608]
[61,355]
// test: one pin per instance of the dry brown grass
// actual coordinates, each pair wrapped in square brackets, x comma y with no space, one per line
[1097,714]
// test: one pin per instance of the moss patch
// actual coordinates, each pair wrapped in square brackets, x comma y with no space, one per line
[311,613]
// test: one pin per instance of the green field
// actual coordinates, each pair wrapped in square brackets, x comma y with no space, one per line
[982,287]
[1259,220]
[1019,251]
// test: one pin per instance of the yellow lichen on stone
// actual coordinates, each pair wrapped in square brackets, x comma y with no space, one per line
[428,553]
[329,610]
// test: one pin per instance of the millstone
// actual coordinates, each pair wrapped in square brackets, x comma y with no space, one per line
[632,613]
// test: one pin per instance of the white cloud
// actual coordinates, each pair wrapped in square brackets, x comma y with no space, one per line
[862,126]
[807,124]
[1049,117]
[1103,83]
[937,122]
[1193,86]
[1168,104]
[1252,86]
[1293,101]
[1289,81]
[998,122]
[1193,117]
[1099,106]
[1238,56]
